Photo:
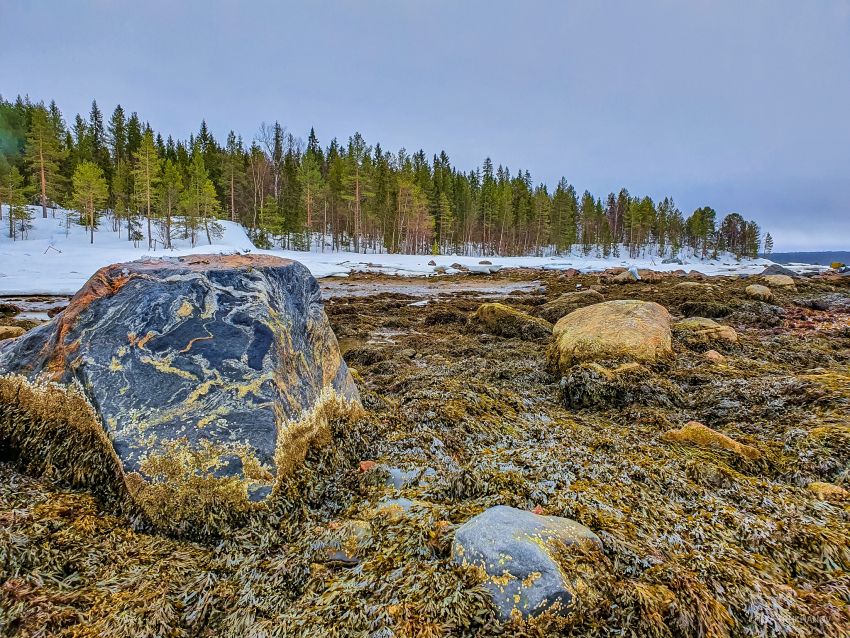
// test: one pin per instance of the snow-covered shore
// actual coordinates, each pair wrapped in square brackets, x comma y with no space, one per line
[53,261]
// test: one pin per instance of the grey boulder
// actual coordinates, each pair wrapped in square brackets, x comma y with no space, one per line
[210,365]
[514,549]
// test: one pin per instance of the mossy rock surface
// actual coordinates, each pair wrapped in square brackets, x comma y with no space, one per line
[502,320]
[209,374]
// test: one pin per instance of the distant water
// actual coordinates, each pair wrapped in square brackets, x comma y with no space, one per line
[824,258]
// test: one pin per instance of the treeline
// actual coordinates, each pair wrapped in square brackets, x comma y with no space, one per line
[343,196]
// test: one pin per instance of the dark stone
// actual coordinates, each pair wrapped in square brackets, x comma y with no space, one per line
[225,354]
[515,549]
[776,269]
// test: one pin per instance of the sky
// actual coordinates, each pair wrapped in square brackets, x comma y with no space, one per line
[742,106]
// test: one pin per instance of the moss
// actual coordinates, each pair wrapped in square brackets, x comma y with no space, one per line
[502,320]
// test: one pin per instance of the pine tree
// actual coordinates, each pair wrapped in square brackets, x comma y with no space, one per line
[43,156]
[170,189]
[90,193]
[768,244]
[146,176]
[310,178]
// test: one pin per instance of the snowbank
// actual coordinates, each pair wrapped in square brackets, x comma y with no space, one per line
[53,261]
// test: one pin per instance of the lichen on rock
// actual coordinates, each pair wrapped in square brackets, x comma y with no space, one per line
[514,550]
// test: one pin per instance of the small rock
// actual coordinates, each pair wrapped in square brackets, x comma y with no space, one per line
[672,260]
[513,549]
[828,491]
[502,320]
[485,262]
[715,357]
[10,332]
[701,330]
[779,281]
[460,267]
[365,466]
[569,273]
[649,276]
[759,292]
[625,277]
[343,542]
[432,263]
[703,436]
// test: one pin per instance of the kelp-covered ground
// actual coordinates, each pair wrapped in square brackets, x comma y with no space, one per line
[697,541]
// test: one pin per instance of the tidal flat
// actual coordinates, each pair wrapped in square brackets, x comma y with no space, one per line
[743,530]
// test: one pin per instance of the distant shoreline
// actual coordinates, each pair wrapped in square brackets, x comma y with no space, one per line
[820,258]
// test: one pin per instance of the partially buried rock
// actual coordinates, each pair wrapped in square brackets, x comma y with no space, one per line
[10,332]
[829,491]
[211,375]
[696,433]
[343,542]
[701,331]
[759,292]
[624,329]
[516,552]
[567,302]
[502,320]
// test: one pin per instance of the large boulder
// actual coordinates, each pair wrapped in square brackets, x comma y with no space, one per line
[516,552]
[204,371]
[502,320]
[627,329]
[567,302]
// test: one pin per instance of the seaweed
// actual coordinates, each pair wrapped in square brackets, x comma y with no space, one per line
[697,541]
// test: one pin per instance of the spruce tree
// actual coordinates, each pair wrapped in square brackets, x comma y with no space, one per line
[12,192]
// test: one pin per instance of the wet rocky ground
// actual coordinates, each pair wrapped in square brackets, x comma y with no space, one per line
[738,529]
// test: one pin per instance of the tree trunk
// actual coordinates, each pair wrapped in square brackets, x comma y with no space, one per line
[43,184]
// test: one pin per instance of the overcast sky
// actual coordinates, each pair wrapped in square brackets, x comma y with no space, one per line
[743,106]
